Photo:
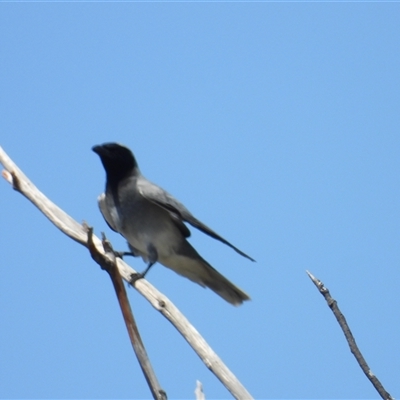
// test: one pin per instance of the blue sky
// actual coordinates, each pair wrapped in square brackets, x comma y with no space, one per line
[277,124]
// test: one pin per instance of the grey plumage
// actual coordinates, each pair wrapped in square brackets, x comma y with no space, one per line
[152,221]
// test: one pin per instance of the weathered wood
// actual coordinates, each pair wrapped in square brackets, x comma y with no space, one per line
[159,301]
[332,304]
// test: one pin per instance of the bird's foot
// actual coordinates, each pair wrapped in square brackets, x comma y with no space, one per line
[140,275]
[122,254]
[135,277]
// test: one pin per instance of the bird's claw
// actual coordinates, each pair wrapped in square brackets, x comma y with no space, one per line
[136,276]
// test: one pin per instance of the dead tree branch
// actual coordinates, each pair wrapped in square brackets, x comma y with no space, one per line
[160,302]
[332,303]
[108,263]
[199,391]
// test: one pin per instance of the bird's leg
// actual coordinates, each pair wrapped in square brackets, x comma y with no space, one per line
[122,254]
[140,275]
[152,257]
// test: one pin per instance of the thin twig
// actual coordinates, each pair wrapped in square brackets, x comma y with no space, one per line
[199,391]
[332,303]
[108,263]
[159,301]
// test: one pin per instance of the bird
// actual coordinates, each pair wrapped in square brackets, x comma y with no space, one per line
[153,223]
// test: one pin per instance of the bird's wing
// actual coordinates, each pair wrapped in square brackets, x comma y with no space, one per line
[159,196]
[101,201]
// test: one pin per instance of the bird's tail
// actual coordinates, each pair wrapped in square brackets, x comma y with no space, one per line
[223,287]
[192,266]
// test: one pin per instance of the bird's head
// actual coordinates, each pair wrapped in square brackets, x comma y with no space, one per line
[118,160]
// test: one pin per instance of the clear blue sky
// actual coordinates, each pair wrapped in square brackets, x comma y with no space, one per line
[277,124]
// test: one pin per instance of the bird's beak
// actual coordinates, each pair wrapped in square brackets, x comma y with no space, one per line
[97,149]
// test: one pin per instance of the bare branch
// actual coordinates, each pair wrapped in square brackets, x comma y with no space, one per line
[108,263]
[79,233]
[332,303]
[199,391]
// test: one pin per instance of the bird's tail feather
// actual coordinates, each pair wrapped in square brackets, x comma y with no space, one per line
[224,288]
[198,270]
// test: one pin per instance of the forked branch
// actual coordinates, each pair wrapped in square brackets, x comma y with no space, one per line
[108,263]
[160,302]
